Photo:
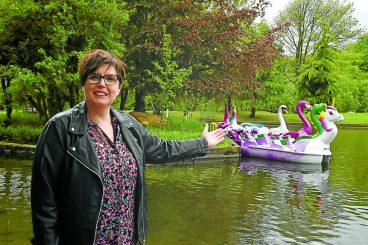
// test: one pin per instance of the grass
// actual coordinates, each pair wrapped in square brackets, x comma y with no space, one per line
[23,118]
[268,117]
[179,128]
[26,126]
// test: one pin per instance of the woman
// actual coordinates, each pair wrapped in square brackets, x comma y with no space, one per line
[88,172]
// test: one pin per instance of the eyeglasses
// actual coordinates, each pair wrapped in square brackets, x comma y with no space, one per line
[109,79]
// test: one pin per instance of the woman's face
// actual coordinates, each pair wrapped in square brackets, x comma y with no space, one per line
[101,95]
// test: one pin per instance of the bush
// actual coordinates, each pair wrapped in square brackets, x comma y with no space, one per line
[20,134]
[24,128]
[23,118]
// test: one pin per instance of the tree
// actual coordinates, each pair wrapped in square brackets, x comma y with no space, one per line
[224,46]
[361,47]
[280,87]
[351,68]
[45,39]
[169,77]
[6,75]
[302,21]
[30,89]
[317,82]
[215,39]
[142,42]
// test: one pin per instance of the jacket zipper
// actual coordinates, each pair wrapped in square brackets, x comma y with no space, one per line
[103,192]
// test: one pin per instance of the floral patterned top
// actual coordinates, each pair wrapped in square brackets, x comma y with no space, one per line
[115,224]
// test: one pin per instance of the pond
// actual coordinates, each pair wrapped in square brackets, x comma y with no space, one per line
[237,201]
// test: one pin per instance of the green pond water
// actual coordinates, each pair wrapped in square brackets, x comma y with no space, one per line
[237,201]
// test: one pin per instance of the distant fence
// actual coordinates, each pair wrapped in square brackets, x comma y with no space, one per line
[210,118]
[207,115]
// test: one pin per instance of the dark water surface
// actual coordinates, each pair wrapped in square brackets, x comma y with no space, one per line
[245,201]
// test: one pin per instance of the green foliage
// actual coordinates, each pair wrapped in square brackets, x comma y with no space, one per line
[216,41]
[279,86]
[363,95]
[353,97]
[361,47]
[167,74]
[181,54]
[317,82]
[6,74]
[353,78]
[45,39]
[26,128]
[20,118]
[303,22]
[30,89]
[321,73]
[20,134]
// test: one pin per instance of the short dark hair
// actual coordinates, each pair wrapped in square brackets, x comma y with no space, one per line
[96,57]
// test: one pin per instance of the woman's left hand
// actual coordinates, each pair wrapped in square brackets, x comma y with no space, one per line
[213,137]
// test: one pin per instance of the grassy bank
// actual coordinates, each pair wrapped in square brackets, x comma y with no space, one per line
[26,127]
[266,117]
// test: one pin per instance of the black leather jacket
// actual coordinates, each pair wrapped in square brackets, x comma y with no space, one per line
[66,186]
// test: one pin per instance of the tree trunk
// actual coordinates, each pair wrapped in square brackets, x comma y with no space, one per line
[55,102]
[9,109]
[7,101]
[8,105]
[123,99]
[139,101]
[159,109]
[44,108]
[230,106]
[253,112]
[156,108]
[72,95]
[40,105]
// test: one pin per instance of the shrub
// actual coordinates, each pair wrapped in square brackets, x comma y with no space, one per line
[20,134]
[23,118]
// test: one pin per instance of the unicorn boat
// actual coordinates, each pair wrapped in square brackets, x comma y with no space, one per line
[304,149]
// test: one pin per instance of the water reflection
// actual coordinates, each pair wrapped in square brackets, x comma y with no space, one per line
[254,164]
[247,201]
[295,200]
[15,218]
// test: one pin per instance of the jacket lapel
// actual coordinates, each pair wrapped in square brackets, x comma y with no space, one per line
[82,149]
[84,153]
[130,140]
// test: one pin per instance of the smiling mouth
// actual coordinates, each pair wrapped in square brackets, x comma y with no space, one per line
[100,93]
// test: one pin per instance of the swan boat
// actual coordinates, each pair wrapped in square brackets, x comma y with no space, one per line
[301,149]
[261,129]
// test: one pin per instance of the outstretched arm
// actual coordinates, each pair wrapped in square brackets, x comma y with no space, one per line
[213,137]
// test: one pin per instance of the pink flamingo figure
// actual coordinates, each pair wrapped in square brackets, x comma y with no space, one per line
[307,129]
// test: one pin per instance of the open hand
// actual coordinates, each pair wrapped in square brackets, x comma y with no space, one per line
[213,137]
